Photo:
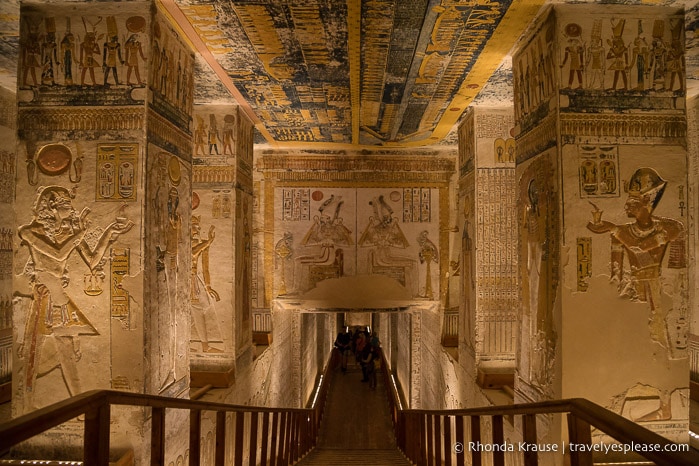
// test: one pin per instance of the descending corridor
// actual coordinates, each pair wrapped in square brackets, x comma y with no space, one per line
[356,427]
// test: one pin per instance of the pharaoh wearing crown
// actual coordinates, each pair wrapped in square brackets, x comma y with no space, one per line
[644,242]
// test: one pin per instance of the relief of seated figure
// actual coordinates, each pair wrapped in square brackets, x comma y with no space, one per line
[384,234]
[326,233]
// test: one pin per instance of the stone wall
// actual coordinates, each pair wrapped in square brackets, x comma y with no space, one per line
[8,155]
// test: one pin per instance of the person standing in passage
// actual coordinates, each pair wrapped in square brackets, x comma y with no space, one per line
[343,343]
[368,366]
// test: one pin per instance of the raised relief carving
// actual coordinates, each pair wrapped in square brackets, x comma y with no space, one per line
[644,243]
[205,329]
[327,233]
[116,172]
[383,233]
[598,171]
[539,263]
[54,321]
[167,264]
[428,254]
[284,249]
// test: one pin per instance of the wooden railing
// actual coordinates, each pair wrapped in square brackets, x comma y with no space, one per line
[274,436]
[445,437]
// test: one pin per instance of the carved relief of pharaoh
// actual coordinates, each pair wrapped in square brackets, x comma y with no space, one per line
[54,321]
[643,243]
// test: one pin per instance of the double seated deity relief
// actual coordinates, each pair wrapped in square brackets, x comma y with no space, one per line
[329,248]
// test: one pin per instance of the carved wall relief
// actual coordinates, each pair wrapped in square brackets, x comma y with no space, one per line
[538,264]
[326,245]
[54,321]
[638,250]
[171,255]
[203,296]
[117,172]
[599,171]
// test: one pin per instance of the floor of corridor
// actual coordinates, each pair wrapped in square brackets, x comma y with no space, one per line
[356,426]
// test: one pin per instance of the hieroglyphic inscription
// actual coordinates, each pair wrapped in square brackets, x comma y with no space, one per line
[7,171]
[416,205]
[119,296]
[496,255]
[493,125]
[584,262]
[296,204]
[116,175]
[598,171]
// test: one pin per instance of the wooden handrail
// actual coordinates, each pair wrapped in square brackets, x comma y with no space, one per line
[293,431]
[425,435]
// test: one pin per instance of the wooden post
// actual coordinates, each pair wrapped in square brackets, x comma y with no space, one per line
[96,438]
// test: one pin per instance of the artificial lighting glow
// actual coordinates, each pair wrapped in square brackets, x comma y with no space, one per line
[395,387]
[315,397]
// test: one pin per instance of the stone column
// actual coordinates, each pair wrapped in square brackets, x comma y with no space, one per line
[221,249]
[602,183]
[488,259]
[103,258]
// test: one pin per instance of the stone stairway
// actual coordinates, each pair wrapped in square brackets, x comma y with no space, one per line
[356,426]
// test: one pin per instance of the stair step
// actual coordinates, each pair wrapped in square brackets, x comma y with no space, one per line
[332,457]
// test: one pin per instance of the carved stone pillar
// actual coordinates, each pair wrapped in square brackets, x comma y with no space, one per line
[487,263]
[602,177]
[221,243]
[102,269]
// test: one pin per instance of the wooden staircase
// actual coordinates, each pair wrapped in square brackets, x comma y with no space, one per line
[330,457]
[357,426]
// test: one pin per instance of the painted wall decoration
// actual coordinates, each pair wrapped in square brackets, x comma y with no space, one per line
[659,409]
[297,203]
[117,167]
[467,144]
[358,231]
[54,322]
[624,54]
[206,328]
[54,160]
[416,205]
[534,71]
[496,257]
[584,261]
[638,249]
[171,255]
[120,297]
[468,264]
[214,140]
[538,264]
[54,53]
[172,86]
[599,171]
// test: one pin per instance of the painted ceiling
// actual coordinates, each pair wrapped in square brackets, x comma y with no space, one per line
[340,73]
